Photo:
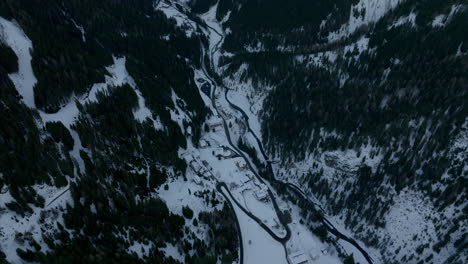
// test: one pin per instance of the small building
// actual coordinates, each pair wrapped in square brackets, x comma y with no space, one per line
[262,187]
[195,166]
[261,195]
[207,174]
[196,179]
[241,165]
[215,124]
[298,257]
[204,143]
[233,185]
[245,180]
[249,175]
[222,153]
[314,255]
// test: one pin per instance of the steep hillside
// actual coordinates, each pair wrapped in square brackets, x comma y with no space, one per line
[366,110]
[98,99]
[222,131]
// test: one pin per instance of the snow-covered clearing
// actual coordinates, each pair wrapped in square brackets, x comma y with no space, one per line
[409,221]
[24,80]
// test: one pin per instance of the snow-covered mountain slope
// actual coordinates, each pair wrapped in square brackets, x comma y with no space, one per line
[100,166]
[193,131]
[363,13]
[357,120]
[24,80]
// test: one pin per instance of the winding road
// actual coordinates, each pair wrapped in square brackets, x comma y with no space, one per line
[249,164]
[221,185]
[293,188]
[296,190]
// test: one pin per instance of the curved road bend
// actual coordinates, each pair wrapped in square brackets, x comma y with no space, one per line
[282,240]
[228,136]
[291,186]
[296,190]
[272,198]
[241,243]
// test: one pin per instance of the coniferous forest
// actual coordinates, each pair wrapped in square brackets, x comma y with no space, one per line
[362,106]
[112,203]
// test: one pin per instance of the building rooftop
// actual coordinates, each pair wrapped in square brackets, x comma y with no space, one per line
[261,195]
[298,257]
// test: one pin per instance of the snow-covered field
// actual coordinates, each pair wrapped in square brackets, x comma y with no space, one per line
[409,221]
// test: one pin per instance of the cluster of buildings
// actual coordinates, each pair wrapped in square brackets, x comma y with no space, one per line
[260,190]
[215,126]
[224,153]
[200,171]
[300,257]
[226,113]
[242,165]
[261,193]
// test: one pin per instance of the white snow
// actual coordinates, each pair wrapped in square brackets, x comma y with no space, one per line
[259,246]
[181,19]
[302,240]
[215,32]
[68,114]
[250,104]
[409,19]
[140,249]
[408,218]
[442,19]
[373,11]
[24,80]
[11,224]
[439,21]
[171,251]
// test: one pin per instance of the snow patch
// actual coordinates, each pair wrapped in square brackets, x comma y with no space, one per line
[12,224]
[180,18]
[24,80]
[363,13]
[409,19]
[442,19]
